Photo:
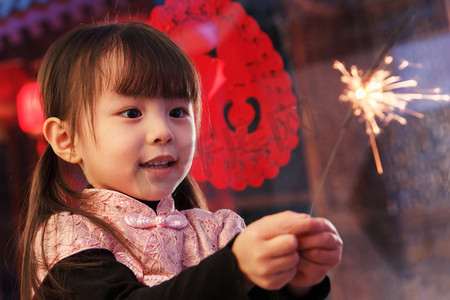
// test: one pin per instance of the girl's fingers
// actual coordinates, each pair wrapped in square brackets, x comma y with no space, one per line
[324,248]
[281,263]
[281,245]
[323,225]
[323,240]
[309,274]
[315,270]
[277,255]
[266,261]
[328,258]
[276,281]
[286,222]
[269,251]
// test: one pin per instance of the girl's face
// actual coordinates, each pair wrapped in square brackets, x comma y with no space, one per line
[142,147]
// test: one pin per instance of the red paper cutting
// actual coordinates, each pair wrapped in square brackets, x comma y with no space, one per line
[252,123]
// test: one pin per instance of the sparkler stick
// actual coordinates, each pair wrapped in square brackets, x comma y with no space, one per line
[388,46]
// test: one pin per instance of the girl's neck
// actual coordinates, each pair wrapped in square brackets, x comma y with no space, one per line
[152,204]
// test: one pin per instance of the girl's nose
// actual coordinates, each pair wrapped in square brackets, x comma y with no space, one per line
[160,133]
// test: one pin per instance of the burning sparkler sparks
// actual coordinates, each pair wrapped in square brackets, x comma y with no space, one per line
[376,94]
[377,98]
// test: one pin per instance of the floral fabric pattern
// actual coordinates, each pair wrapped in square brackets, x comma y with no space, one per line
[166,241]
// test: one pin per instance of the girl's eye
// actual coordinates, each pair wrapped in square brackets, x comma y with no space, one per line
[131,113]
[177,113]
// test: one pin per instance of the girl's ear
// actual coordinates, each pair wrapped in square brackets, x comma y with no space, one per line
[59,138]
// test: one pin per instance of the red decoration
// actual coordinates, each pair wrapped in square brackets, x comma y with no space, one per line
[12,77]
[251,125]
[29,109]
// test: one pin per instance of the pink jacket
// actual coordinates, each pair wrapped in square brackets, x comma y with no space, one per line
[168,241]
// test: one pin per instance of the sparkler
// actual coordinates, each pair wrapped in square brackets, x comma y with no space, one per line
[374,95]
[377,98]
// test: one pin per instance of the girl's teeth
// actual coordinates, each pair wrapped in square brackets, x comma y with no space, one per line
[159,164]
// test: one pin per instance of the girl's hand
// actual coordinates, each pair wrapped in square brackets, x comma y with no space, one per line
[320,250]
[268,250]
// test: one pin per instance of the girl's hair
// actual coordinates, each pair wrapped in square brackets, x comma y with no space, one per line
[73,74]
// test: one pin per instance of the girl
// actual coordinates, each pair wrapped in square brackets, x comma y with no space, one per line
[121,103]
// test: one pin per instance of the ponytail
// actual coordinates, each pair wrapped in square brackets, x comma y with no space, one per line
[46,197]
[50,194]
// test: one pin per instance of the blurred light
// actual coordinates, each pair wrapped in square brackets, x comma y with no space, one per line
[29,109]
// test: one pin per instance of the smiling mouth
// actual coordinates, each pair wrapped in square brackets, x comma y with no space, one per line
[158,164]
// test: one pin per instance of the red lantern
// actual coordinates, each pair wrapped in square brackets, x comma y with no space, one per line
[29,109]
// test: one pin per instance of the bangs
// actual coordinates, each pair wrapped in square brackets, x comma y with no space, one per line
[149,67]
[132,59]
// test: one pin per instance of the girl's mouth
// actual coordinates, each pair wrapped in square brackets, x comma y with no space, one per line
[157,164]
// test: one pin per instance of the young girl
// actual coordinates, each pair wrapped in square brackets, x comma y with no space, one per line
[122,103]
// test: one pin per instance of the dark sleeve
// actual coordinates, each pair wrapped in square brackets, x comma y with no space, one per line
[96,274]
[317,292]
